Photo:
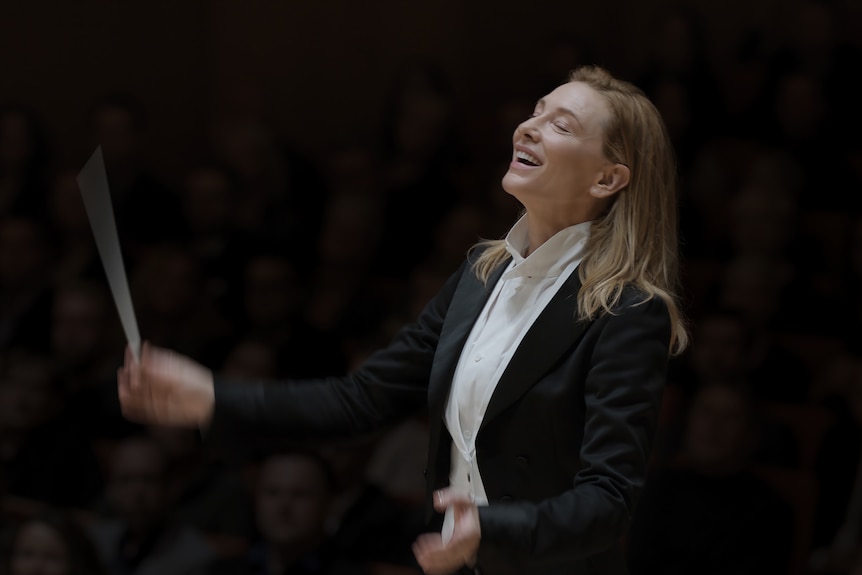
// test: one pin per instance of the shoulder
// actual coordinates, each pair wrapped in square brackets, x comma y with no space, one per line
[634,299]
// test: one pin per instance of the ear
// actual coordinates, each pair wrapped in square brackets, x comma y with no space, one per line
[614,178]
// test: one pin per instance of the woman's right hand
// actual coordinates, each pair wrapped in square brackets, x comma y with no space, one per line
[165,388]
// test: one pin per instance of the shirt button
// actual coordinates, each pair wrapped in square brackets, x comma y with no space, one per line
[468,434]
[478,358]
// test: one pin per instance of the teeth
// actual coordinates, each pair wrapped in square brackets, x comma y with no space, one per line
[529,157]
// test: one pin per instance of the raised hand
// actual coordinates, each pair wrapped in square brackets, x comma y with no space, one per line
[165,388]
[437,557]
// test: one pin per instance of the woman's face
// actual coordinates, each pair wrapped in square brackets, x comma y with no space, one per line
[558,152]
[39,550]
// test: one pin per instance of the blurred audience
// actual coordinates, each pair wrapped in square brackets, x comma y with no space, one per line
[251,359]
[171,302]
[281,192]
[75,248]
[137,533]
[292,496]
[51,542]
[422,154]
[147,209]
[366,523]
[25,282]
[42,457]
[86,345]
[708,511]
[210,234]
[756,287]
[203,491]
[680,79]
[271,308]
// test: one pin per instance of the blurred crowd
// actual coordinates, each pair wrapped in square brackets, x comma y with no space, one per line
[264,263]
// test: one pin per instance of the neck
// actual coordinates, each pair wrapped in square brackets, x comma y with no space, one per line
[541,229]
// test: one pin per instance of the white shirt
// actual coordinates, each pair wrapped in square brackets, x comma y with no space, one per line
[524,289]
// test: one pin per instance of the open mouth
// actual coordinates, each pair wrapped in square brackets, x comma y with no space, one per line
[527,159]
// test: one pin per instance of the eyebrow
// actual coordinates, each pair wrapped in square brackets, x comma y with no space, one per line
[571,113]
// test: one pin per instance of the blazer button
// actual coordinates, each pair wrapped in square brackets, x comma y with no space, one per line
[425,473]
[506,498]
[522,461]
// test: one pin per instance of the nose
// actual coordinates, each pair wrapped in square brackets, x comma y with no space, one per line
[527,129]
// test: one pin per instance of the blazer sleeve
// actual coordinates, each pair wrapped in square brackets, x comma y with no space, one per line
[622,393]
[390,385]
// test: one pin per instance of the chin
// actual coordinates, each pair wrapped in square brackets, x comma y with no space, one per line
[518,190]
[513,183]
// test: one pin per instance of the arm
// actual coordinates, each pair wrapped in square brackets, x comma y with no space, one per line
[622,392]
[170,389]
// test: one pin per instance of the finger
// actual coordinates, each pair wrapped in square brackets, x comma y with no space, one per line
[133,375]
[158,360]
[127,395]
[429,540]
[446,497]
[426,544]
[129,404]
[440,498]
[434,559]
[428,550]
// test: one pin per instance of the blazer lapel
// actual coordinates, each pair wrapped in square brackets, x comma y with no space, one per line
[468,301]
[554,331]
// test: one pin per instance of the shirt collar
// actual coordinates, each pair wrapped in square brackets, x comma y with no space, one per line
[549,259]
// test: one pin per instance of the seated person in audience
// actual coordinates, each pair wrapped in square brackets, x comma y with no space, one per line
[42,456]
[85,331]
[719,353]
[51,542]
[708,512]
[292,496]
[272,301]
[250,358]
[718,349]
[141,537]
[204,491]
[754,287]
[366,523]
[119,122]
[26,273]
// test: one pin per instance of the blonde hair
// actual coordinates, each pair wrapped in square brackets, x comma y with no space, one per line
[636,241]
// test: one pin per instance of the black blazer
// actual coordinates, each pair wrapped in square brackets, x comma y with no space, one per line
[564,444]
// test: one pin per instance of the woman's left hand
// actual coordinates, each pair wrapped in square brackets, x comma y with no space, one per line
[439,558]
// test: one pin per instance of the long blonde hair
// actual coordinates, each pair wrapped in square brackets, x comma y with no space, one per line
[636,241]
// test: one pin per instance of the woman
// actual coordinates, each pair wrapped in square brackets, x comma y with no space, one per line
[540,363]
[48,543]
